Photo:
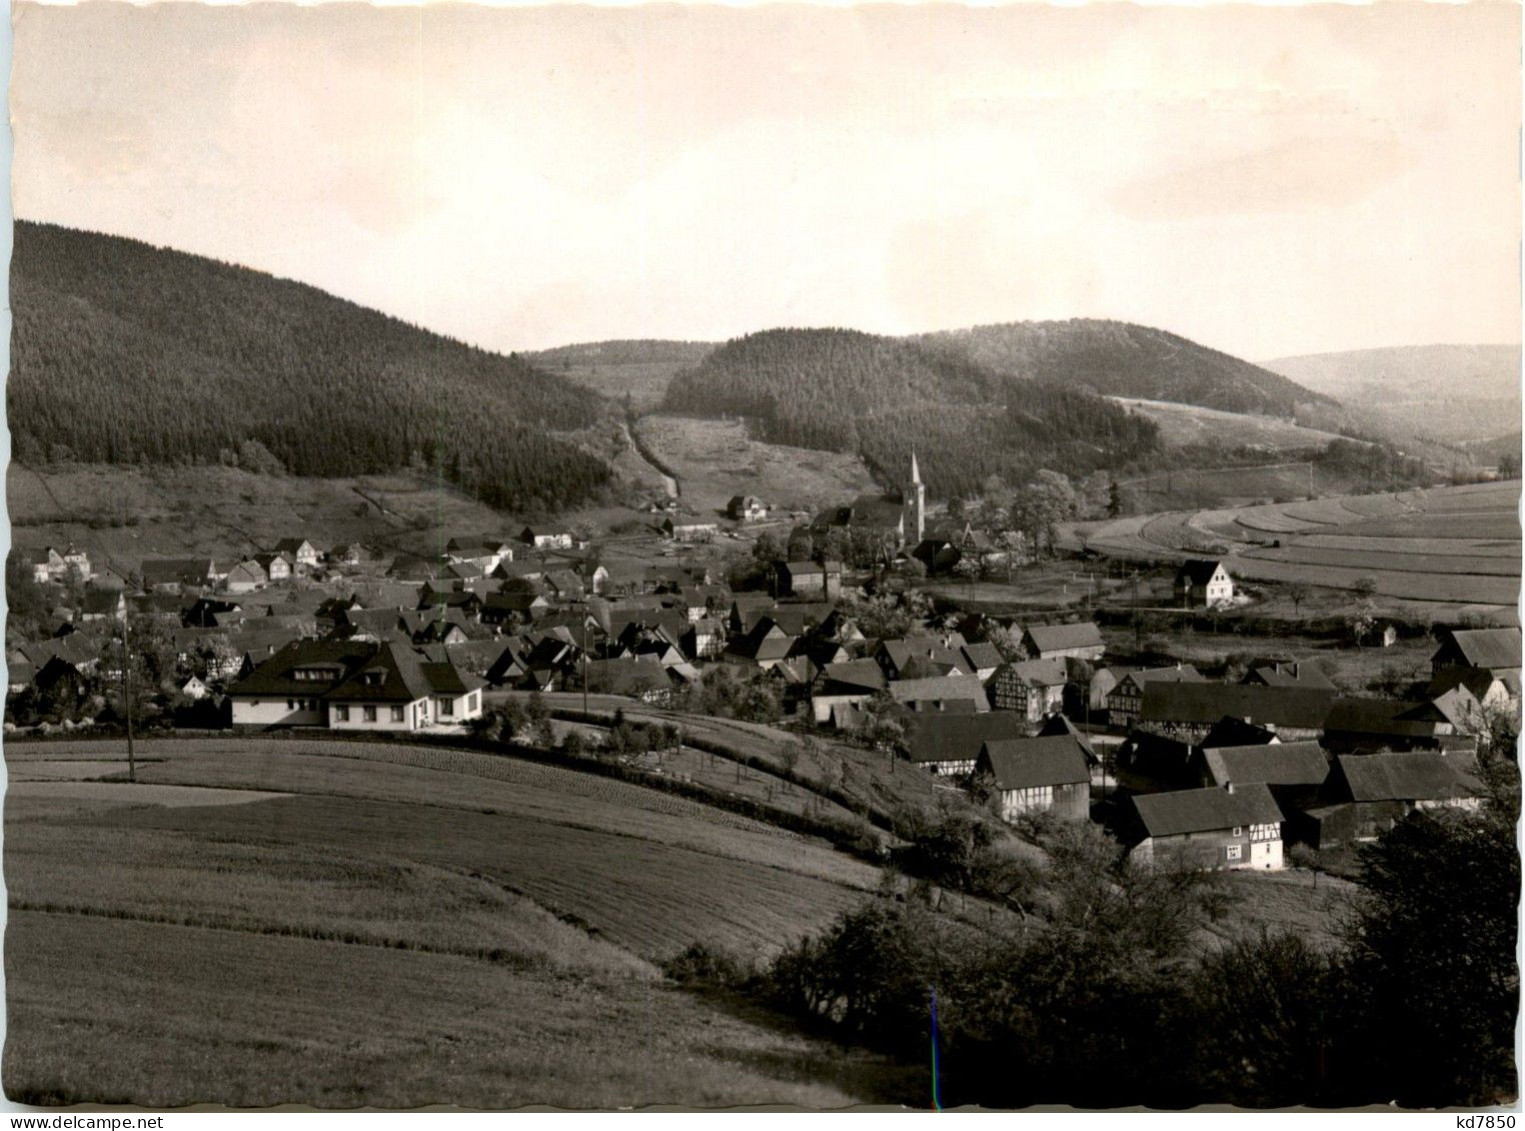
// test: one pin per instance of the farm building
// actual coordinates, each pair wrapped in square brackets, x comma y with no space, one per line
[1189,710]
[1357,725]
[746,508]
[690,531]
[961,694]
[277,567]
[1293,771]
[1481,686]
[1237,827]
[246,577]
[950,744]
[1055,641]
[846,684]
[1203,582]
[1152,763]
[1493,649]
[1033,688]
[1038,775]
[1126,701]
[812,578]
[1367,794]
[171,575]
[102,604]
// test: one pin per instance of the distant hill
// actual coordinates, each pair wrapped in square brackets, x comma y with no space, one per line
[633,372]
[1447,393]
[127,353]
[1123,360]
[842,390]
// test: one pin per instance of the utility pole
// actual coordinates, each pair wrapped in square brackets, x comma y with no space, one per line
[1138,636]
[585,664]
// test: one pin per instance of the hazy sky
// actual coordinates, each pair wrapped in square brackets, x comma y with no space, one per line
[1266,180]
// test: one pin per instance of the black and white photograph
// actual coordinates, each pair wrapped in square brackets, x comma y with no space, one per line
[901,557]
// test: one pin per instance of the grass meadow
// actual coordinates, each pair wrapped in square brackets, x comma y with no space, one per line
[393,934]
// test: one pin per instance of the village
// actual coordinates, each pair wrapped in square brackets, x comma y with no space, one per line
[1027,716]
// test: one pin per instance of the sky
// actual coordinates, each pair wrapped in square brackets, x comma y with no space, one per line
[1267,181]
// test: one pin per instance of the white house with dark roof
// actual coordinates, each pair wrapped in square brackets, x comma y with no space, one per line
[1236,827]
[1204,581]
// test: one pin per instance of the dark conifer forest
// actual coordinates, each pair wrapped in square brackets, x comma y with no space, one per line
[841,390]
[127,353]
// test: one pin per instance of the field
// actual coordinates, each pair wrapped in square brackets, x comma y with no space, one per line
[715,459]
[1442,553]
[1184,424]
[401,926]
[134,512]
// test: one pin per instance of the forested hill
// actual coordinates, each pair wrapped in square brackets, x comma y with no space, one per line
[1124,360]
[841,390]
[127,353]
[640,351]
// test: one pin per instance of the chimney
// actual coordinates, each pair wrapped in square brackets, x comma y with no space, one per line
[1229,787]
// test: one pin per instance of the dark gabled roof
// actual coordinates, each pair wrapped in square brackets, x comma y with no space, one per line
[1061,637]
[981,656]
[274,678]
[1206,810]
[1379,717]
[947,687]
[1296,674]
[399,672]
[158,571]
[1405,777]
[1198,571]
[1172,673]
[292,545]
[853,675]
[1484,647]
[105,601]
[444,678]
[797,568]
[958,738]
[1206,703]
[1024,763]
[1051,672]
[1276,763]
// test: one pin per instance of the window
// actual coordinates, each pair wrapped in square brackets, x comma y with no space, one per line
[342,713]
[447,706]
[291,705]
[1238,831]
[399,715]
[471,704]
[368,714]
[1233,851]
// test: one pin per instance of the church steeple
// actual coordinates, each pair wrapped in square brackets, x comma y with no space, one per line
[916,503]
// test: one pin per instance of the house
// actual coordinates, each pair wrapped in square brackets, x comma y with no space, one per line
[565,585]
[1052,641]
[171,575]
[848,683]
[1034,688]
[1126,701]
[1294,772]
[705,638]
[462,601]
[352,554]
[500,608]
[302,553]
[547,539]
[194,689]
[811,578]
[746,508]
[650,683]
[1367,794]
[1236,827]
[951,744]
[765,646]
[1478,685]
[1189,710]
[1038,775]
[102,604]
[346,685]
[917,657]
[1361,725]
[246,577]
[1203,582]
[396,688]
[690,531]
[277,567]
[46,564]
[951,693]
[984,660]
[212,612]
[1496,650]
[77,562]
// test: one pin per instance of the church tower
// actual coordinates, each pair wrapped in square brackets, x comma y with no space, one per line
[916,505]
